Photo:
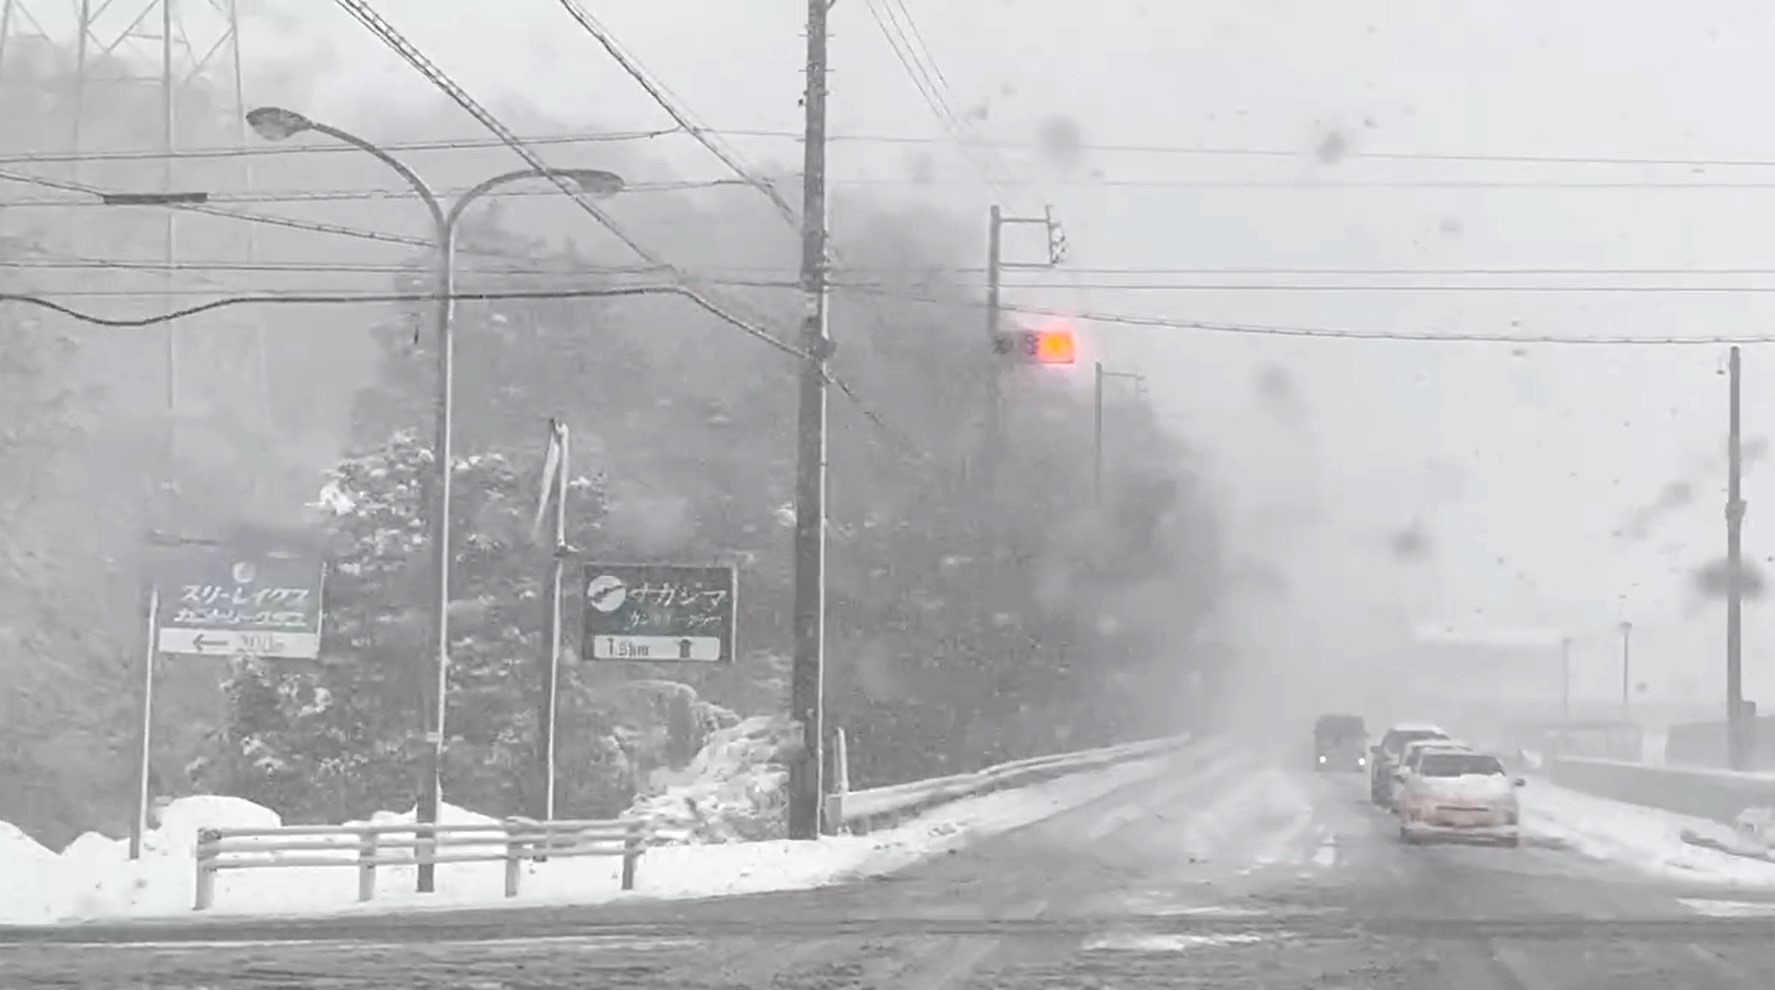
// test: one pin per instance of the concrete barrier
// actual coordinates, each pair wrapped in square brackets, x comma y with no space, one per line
[1718,795]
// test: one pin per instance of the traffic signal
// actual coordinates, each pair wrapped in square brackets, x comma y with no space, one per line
[1054,344]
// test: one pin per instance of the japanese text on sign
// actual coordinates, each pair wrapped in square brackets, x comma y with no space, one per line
[659,612]
[234,606]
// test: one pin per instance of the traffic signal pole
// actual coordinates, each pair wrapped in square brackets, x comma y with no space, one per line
[806,689]
[995,269]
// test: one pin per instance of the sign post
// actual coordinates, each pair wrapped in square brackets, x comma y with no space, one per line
[138,825]
[222,604]
[670,613]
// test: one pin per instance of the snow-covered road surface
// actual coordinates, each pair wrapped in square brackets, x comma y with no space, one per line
[1224,871]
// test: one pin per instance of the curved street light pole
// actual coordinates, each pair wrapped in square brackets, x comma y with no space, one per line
[276,124]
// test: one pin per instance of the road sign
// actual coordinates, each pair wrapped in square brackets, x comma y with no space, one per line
[221,604]
[659,612]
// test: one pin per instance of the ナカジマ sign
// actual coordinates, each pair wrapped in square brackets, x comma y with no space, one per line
[659,612]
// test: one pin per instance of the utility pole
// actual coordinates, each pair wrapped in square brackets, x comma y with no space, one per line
[806,691]
[1626,667]
[1565,677]
[1737,734]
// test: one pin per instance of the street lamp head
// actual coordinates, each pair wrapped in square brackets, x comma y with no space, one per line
[593,182]
[276,123]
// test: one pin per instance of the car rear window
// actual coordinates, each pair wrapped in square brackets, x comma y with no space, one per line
[1398,740]
[1459,765]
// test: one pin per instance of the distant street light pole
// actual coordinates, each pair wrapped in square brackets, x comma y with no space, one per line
[277,124]
[1565,677]
[1097,424]
[1626,667]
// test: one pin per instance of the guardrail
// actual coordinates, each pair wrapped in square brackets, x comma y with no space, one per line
[1719,795]
[512,841]
[859,811]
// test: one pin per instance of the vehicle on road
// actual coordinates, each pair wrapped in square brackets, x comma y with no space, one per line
[1457,793]
[1340,743]
[1413,752]
[1383,760]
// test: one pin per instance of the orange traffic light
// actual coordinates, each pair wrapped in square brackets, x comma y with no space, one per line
[1055,345]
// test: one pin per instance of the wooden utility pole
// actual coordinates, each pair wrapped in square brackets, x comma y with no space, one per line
[806,690]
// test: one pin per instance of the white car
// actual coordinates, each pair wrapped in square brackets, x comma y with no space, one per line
[1408,762]
[1384,759]
[1458,793]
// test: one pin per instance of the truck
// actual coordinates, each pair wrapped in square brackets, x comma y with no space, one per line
[1340,743]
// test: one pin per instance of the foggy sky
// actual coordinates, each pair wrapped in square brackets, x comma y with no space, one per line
[1520,467]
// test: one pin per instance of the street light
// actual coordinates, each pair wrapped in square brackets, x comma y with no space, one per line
[278,124]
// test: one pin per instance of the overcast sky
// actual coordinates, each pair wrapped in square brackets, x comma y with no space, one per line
[1522,467]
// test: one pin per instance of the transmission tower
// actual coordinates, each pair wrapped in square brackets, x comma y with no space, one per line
[160,76]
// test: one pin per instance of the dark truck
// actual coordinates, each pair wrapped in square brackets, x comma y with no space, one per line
[1340,742]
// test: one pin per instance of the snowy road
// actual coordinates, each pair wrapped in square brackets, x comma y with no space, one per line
[1232,871]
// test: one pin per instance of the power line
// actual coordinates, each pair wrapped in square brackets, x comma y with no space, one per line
[366,15]
[928,82]
[267,150]
[886,290]
[358,294]
[1342,333]
[680,114]
[247,216]
[1107,318]
[1401,287]
[321,266]
[324,298]
[675,109]
[1208,151]
[336,298]
[284,196]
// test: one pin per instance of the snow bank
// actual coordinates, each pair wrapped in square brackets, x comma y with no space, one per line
[732,791]
[31,871]
[1650,839]
[94,879]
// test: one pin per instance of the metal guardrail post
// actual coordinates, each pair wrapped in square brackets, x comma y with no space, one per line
[833,812]
[632,846]
[206,867]
[366,865]
[514,854]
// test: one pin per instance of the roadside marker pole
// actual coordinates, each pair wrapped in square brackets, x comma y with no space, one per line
[555,484]
[138,827]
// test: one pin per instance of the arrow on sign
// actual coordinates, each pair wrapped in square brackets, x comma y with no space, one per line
[203,644]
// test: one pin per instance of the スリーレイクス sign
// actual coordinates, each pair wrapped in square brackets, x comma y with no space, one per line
[659,612]
[259,605]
